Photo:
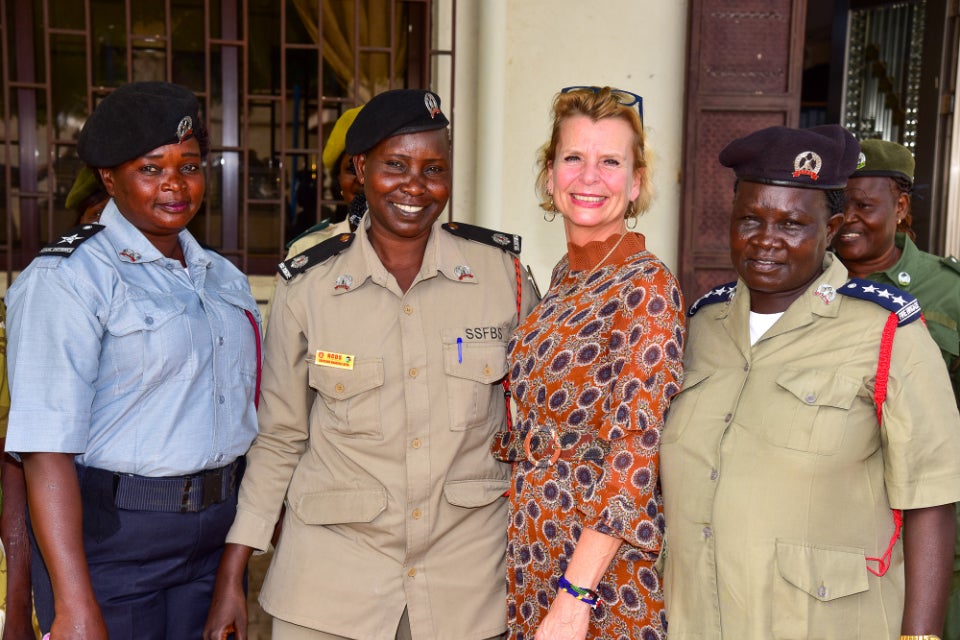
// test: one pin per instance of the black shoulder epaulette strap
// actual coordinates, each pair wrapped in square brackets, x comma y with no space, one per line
[315,255]
[887,296]
[951,263]
[68,243]
[723,293]
[506,241]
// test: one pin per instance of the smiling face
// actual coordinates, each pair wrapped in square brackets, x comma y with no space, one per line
[592,177]
[778,237]
[866,242]
[159,192]
[406,180]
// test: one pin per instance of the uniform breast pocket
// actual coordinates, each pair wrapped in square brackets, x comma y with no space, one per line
[352,396]
[812,415]
[473,368]
[684,406]
[151,340]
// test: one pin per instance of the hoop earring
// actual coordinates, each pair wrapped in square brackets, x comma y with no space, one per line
[632,223]
[552,213]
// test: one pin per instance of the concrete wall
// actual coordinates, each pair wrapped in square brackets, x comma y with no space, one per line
[512,57]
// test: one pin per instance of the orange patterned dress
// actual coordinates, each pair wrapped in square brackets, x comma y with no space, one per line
[596,362]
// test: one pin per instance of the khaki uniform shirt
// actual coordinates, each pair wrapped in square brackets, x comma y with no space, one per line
[393,499]
[777,479]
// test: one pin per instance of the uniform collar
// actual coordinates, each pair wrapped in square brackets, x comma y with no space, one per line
[819,300]
[133,247]
[442,255]
[910,263]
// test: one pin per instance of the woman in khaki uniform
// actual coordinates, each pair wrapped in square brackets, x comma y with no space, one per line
[778,479]
[380,398]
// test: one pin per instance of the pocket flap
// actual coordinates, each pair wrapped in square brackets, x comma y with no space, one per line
[824,572]
[341,384]
[474,493]
[241,299]
[692,378]
[820,387]
[144,314]
[340,506]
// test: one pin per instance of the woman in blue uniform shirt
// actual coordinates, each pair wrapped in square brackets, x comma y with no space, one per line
[133,359]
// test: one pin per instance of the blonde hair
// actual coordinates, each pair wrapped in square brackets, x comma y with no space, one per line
[597,105]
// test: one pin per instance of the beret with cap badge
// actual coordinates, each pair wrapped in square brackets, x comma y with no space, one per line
[886,159]
[393,113]
[137,118]
[817,158]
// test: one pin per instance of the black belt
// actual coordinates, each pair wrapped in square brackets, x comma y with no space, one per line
[174,494]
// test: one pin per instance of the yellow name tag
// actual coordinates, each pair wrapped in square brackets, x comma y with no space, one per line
[330,359]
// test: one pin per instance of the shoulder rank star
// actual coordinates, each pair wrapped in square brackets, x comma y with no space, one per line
[69,239]
[462,272]
[344,282]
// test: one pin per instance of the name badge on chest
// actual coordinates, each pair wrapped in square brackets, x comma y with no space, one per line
[331,359]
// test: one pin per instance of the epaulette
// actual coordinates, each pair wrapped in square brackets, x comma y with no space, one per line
[887,296]
[320,226]
[506,241]
[723,293]
[951,263]
[315,255]
[67,244]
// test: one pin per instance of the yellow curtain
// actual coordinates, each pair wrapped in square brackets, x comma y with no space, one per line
[338,42]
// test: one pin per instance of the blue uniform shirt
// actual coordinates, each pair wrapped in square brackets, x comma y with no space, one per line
[122,356]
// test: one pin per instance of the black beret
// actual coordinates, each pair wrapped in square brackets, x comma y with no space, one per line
[816,158]
[393,113]
[137,118]
[884,158]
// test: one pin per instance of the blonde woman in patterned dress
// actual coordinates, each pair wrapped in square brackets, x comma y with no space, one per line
[593,369]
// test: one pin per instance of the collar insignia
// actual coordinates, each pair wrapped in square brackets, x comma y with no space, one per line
[826,293]
[344,282]
[130,255]
[462,272]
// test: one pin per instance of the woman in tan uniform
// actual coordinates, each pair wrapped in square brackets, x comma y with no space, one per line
[778,476]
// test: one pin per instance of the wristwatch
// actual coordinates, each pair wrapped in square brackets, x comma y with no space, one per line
[928,636]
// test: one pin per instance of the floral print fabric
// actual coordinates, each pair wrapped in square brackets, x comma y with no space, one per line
[601,354]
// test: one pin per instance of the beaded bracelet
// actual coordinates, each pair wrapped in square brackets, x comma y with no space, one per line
[586,596]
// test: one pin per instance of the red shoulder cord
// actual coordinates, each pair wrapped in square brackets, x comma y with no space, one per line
[506,379]
[256,332]
[879,395]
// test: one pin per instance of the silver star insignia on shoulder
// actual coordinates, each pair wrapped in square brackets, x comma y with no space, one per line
[870,289]
[69,239]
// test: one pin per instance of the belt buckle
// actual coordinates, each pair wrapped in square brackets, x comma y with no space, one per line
[212,492]
[552,460]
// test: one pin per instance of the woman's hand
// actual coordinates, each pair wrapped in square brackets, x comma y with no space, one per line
[228,610]
[568,619]
[78,621]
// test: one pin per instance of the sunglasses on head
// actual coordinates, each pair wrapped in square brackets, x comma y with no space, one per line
[626,98]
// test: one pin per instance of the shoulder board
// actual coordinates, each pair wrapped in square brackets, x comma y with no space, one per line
[506,241]
[320,226]
[68,243]
[951,263]
[723,293]
[315,255]
[887,296]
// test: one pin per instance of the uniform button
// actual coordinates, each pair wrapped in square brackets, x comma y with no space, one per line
[810,398]
[413,373]
[220,341]
[746,367]
[221,399]
[486,371]
[407,309]
[412,572]
[220,457]
[416,443]
[714,474]
[821,592]
[728,417]
[416,514]
[148,320]
[707,533]
[338,388]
